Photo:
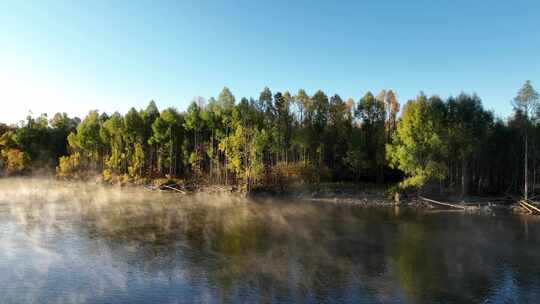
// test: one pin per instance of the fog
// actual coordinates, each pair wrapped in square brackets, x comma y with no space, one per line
[72,242]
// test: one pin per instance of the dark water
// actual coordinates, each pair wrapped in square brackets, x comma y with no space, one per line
[84,244]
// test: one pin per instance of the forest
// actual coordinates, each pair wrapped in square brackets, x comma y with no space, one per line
[281,138]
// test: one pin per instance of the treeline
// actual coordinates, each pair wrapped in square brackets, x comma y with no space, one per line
[35,144]
[279,138]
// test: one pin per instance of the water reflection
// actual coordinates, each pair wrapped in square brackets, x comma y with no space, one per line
[77,243]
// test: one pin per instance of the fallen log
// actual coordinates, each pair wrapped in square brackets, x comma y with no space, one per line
[526,208]
[441,203]
[529,206]
[173,188]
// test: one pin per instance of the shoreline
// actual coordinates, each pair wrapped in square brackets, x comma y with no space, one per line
[344,194]
[362,195]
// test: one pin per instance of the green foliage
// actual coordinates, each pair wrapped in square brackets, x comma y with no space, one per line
[339,135]
[356,160]
[278,138]
[226,99]
[320,107]
[371,113]
[133,127]
[527,100]
[467,123]
[417,148]
[114,133]
[41,141]
[87,138]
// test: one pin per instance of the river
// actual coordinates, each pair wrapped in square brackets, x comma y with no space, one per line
[81,243]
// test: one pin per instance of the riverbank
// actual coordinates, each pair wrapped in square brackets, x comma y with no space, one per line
[345,194]
[361,195]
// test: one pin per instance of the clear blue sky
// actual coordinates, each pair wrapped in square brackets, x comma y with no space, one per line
[109,55]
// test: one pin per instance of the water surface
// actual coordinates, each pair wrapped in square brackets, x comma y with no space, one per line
[80,243]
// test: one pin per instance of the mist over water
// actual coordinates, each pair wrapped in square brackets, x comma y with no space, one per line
[83,243]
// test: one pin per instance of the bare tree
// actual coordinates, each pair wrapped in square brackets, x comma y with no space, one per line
[527,101]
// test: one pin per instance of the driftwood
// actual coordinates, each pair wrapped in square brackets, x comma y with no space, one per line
[531,208]
[441,203]
[223,188]
[529,211]
[172,188]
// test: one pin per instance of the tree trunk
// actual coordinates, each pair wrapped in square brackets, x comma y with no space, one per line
[212,158]
[225,153]
[464,178]
[171,152]
[526,186]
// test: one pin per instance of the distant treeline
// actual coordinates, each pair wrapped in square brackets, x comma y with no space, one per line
[281,138]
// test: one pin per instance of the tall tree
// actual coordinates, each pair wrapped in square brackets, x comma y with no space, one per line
[417,147]
[391,109]
[88,141]
[193,124]
[149,115]
[225,107]
[302,136]
[468,125]
[320,109]
[113,133]
[371,113]
[338,134]
[134,135]
[527,101]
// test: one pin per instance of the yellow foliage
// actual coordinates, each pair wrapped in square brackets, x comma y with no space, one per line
[69,166]
[108,176]
[15,161]
[137,162]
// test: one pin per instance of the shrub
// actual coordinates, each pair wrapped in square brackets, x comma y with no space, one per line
[14,161]
[69,166]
